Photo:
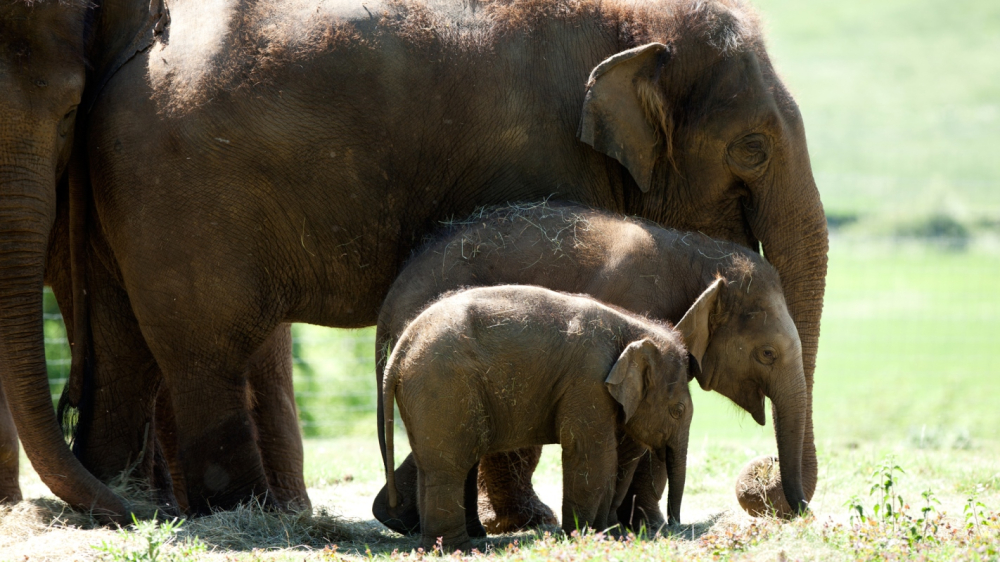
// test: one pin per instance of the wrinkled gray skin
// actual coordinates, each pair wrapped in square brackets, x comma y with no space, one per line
[264,162]
[748,346]
[498,368]
[10,490]
[43,52]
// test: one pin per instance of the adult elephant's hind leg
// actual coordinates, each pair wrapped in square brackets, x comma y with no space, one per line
[276,418]
[508,502]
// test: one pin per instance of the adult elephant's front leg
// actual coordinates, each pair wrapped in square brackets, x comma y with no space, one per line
[276,418]
[10,491]
[508,502]
[217,446]
[204,365]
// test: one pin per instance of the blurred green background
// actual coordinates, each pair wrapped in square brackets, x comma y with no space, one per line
[901,101]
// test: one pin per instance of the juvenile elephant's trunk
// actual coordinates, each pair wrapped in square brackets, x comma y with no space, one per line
[676,461]
[789,427]
[27,210]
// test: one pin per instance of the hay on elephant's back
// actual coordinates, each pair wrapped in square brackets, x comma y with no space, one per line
[534,214]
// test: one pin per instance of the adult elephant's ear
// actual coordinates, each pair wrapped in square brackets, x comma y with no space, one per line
[695,327]
[624,110]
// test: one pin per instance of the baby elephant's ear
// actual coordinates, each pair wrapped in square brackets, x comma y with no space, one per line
[627,380]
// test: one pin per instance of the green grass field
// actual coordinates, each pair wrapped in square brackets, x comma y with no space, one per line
[901,101]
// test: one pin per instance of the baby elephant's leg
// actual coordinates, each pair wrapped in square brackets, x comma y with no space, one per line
[641,506]
[629,454]
[442,510]
[590,464]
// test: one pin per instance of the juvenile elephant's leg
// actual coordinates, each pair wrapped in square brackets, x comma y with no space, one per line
[641,506]
[277,421]
[405,518]
[10,491]
[589,468]
[508,502]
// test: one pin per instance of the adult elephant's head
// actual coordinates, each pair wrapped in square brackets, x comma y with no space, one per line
[42,74]
[716,144]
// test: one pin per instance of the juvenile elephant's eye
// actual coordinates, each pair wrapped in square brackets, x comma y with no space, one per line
[765,355]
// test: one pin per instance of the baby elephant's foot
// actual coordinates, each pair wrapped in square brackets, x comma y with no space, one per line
[445,545]
[518,514]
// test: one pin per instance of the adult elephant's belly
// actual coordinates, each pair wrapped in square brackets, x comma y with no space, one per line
[242,203]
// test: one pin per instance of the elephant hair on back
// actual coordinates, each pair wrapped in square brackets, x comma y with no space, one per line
[269,38]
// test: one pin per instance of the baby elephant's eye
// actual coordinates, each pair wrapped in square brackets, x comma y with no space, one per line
[765,355]
[677,411]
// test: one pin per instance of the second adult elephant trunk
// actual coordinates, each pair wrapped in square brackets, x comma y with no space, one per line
[27,209]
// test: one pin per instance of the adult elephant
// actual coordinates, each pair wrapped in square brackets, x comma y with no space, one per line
[261,164]
[44,47]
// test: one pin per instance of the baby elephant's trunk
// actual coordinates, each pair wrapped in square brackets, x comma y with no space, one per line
[676,461]
[388,400]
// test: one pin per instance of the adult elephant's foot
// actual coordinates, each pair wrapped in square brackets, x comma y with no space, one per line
[10,493]
[404,518]
[758,489]
[507,502]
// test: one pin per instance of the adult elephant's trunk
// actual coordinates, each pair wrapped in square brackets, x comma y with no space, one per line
[676,461]
[788,220]
[27,209]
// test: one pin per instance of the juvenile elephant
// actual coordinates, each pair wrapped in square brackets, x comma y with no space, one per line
[252,164]
[740,330]
[498,368]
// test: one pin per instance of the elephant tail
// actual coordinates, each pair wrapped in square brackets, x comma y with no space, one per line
[388,399]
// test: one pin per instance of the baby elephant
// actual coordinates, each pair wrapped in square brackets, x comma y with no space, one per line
[498,368]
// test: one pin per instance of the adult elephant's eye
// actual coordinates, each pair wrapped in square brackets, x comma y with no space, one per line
[765,355]
[677,411]
[748,154]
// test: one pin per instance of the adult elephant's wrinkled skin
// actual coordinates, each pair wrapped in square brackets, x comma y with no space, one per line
[262,164]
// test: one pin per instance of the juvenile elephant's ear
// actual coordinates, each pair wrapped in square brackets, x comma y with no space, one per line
[695,327]
[627,380]
[624,110]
